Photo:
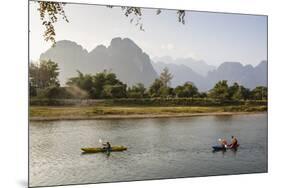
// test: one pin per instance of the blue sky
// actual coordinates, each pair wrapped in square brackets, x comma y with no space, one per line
[212,37]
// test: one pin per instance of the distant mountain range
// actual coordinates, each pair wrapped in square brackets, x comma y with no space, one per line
[122,57]
[198,66]
[132,65]
[247,75]
[181,74]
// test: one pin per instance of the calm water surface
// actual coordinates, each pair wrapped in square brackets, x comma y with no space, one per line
[157,148]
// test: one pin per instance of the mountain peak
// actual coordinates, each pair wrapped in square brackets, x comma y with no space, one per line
[124,44]
[230,63]
[122,56]
[69,44]
[262,63]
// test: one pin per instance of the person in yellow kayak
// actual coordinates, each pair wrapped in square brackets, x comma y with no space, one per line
[107,147]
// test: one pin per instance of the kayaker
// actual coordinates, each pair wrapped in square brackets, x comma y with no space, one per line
[107,147]
[234,142]
[223,142]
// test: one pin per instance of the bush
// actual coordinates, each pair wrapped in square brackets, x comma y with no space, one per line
[144,102]
[180,102]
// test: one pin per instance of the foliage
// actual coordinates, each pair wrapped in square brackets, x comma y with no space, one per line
[84,82]
[238,92]
[135,14]
[220,91]
[187,90]
[233,91]
[43,74]
[155,88]
[137,91]
[166,77]
[259,93]
[144,102]
[105,85]
[32,90]
[160,86]
[43,83]
[101,85]
[53,92]
[49,12]
[114,91]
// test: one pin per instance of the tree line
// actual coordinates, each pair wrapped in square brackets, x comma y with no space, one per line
[44,83]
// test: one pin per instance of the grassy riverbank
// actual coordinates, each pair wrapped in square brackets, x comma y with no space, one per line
[119,112]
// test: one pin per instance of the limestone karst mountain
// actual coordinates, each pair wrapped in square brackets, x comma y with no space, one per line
[122,57]
[132,65]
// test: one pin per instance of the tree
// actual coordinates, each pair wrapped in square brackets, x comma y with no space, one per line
[32,91]
[136,91]
[84,82]
[164,91]
[259,93]
[166,77]
[202,95]
[241,93]
[109,80]
[101,85]
[43,74]
[220,91]
[54,92]
[187,90]
[136,15]
[233,91]
[114,91]
[49,12]
[155,88]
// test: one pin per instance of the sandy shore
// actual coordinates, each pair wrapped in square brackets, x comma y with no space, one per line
[139,116]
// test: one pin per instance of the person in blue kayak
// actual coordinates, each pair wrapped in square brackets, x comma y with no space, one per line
[223,142]
[234,142]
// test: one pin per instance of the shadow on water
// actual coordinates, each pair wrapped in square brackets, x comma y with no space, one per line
[223,152]
[104,153]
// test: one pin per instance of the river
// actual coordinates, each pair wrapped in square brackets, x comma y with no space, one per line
[157,149]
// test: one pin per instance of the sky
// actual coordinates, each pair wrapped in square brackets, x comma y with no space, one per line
[212,37]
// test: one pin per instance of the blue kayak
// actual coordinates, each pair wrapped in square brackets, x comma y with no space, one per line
[220,148]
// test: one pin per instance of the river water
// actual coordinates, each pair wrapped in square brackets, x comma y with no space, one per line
[157,148]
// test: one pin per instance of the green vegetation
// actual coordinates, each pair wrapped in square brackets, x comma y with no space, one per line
[44,84]
[187,90]
[43,75]
[103,95]
[146,102]
[101,85]
[85,112]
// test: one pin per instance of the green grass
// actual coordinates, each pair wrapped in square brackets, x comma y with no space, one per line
[86,111]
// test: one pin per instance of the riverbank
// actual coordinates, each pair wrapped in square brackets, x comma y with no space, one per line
[52,113]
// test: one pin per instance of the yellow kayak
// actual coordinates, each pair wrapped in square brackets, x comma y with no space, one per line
[100,149]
